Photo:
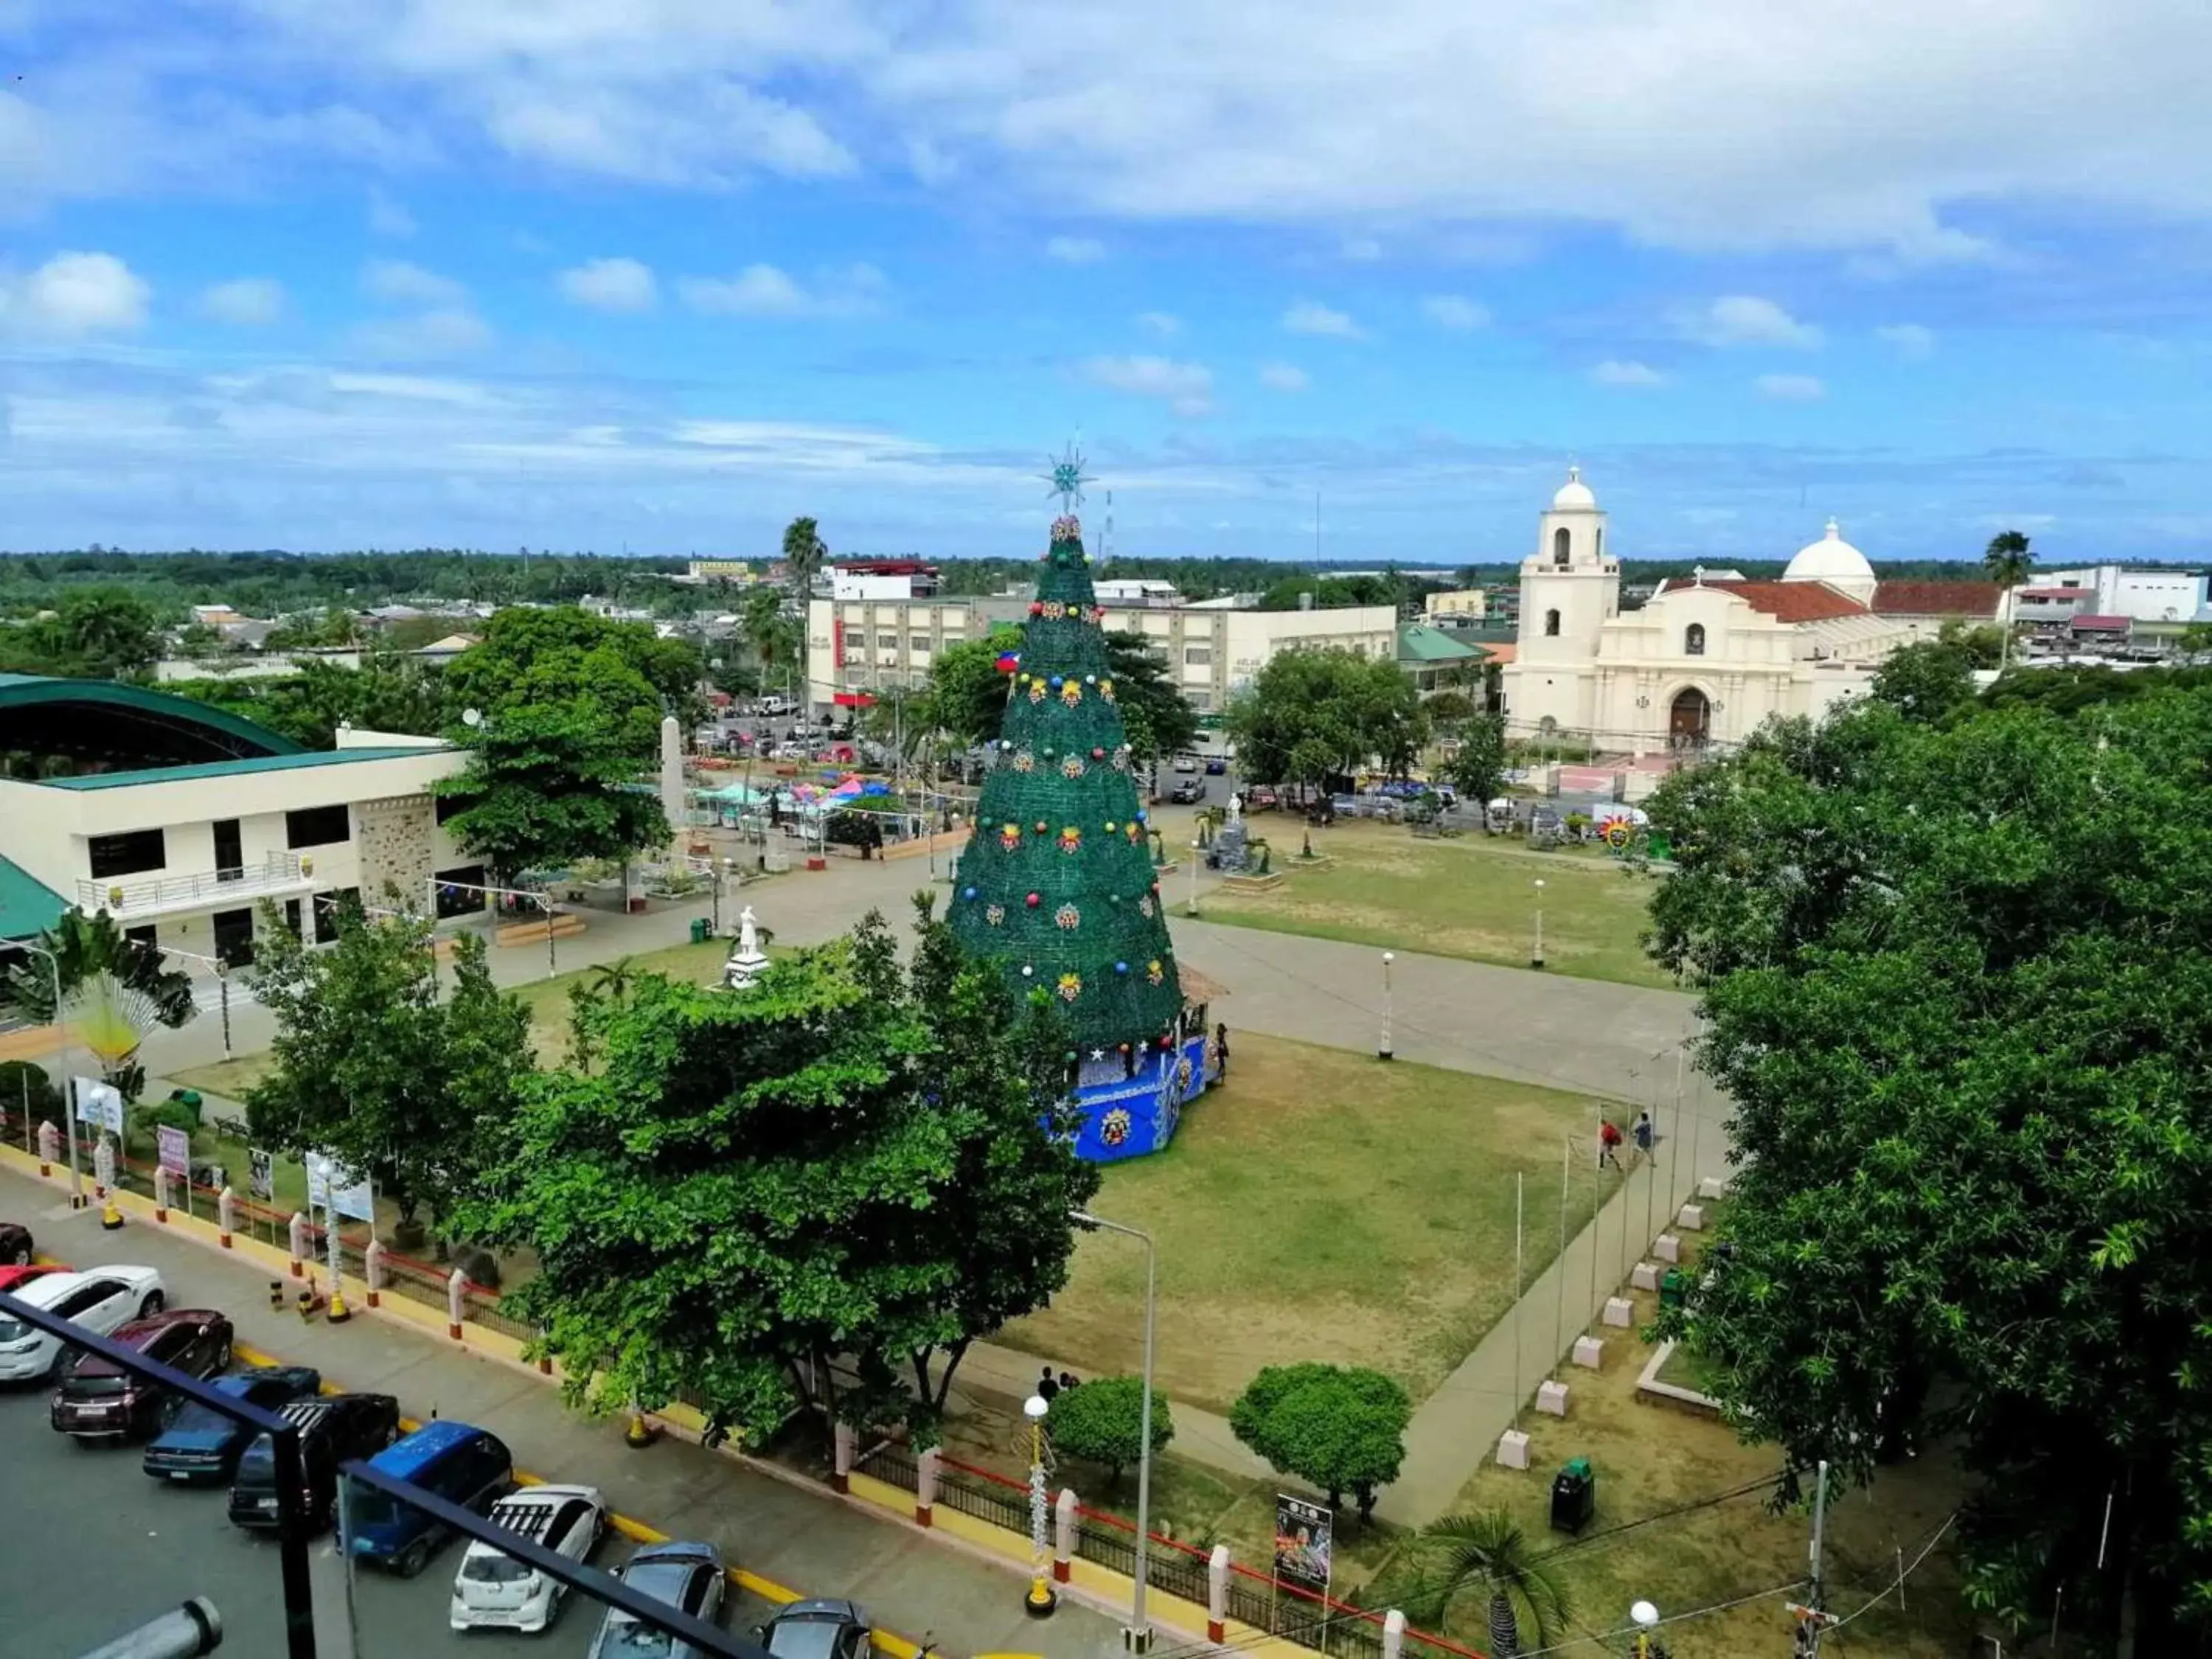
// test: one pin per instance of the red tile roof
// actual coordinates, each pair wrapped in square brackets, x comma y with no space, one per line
[1497,652]
[1937,598]
[2099,624]
[1792,602]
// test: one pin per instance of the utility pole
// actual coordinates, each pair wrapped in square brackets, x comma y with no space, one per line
[1814,1619]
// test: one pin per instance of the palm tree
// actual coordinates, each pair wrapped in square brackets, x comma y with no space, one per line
[2007,560]
[804,549]
[1487,1551]
[614,981]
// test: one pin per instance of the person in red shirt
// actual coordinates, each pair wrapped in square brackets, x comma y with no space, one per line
[1608,1143]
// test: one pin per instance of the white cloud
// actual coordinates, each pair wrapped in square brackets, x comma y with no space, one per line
[764,290]
[1309,317]
[74,295]
[1362,250]
[1909,340]
[1455,312]
[451,332]
[611,285]
[396,281]
[1744,319]
[1186,388]
[1159,323]
[387,217]
[1284,377]
[1075,250]
[1627,372]
[1790,388]
[245,303]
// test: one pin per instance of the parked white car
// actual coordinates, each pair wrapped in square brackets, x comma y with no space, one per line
[495,1591]
[99,1299]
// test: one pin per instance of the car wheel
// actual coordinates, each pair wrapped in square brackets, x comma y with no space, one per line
[22,1256]
[154,1303]
[412,1559]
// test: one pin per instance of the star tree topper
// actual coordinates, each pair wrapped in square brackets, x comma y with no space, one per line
[1067,478]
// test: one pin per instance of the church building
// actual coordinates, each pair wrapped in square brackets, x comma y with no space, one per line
[1703,661]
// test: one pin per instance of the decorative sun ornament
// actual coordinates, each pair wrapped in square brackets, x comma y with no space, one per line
[1024,761]
[1071,841]
[1134,832]
[1067,478]
[1072,767]
[1071,693]
[1067,918]
[1036,690]
[996,915]
[1106,690]
[1010,837]
[1145,907]
[1070,987]
[1154,974]
[1114,1128]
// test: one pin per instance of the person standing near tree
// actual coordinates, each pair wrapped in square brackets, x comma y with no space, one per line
[1608,1143]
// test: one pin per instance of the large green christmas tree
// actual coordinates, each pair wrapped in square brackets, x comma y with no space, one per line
[1057,885]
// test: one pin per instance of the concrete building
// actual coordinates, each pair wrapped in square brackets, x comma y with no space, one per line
[1135,590]
[178,820]
[2058,596]
[1456,607]
[883,579]
[1707,660]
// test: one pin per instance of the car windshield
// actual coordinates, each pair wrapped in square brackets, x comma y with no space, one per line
[803,1638]
[195,1418]
[493,1569]
[626,1637]
[371,1508]
[81,1387]
[260,1461]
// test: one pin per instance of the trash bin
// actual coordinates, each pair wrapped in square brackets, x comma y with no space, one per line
[1674,1287]
[701,930]
[187,1098]
[1574,1496]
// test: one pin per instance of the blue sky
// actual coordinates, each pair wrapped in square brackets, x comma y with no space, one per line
[336,273]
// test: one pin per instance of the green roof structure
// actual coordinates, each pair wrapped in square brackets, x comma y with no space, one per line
[99,723]
[27,906]
[245,763]
[1431,647]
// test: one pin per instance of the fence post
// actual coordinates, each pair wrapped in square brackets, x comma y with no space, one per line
[1063,1535]
[1217,1594]
[457,1294]
[925,1487]
[841,1471]
[1394,1634]
[161,1191]
[226,1215]
[371,1270]
[50,1148]
[299,1244]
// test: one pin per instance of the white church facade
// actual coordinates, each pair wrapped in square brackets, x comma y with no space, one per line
[1705,661]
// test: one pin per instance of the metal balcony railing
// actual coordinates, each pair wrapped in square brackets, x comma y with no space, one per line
[127,897]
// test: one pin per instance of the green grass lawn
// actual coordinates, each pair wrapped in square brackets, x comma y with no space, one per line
[1473,896]
[1321,1205]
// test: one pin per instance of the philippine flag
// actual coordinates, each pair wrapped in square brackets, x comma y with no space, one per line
[1008,661]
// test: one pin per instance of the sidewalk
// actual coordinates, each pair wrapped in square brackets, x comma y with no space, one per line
[793,1534]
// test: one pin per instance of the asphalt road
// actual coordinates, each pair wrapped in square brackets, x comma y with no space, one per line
[92,1548]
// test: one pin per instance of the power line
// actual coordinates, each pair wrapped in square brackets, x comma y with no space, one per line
[1674,1619]
[1744,1491]
[1904,1573]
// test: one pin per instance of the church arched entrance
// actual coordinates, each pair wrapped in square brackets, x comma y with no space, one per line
[1689,718]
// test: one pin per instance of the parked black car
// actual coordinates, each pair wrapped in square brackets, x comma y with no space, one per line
[334,1429]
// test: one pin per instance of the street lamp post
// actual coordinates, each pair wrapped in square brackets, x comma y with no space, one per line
[336,1310]
[69,1082]
[1382,1048]
[1646,1617]
[1138,1637]
[1536,954]
[1196,848]
[1042,1598]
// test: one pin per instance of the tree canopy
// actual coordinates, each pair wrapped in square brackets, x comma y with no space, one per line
[1957,982]
[1101,1421]
[105,632]
[371,1067]
[1310,717]
[855,1158]
[1336,1427]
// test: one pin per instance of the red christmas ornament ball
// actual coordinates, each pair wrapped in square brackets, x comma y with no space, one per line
[1034,900]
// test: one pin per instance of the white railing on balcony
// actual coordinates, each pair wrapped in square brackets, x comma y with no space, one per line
[127,897]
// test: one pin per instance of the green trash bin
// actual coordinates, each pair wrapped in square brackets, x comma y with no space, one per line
[701,930]
[1574,1496]
[187,1098]
[1674,1287]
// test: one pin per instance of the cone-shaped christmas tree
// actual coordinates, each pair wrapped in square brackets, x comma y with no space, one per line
[1057,885]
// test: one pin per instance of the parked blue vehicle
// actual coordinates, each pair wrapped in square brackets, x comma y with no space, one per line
[201,1446]
[461,1464]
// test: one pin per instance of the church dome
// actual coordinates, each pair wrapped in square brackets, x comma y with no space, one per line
[1834,560]
[1573,494]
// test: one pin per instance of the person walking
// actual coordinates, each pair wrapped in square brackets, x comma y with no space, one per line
[1645,1135]
[1608,1143]
[1047,1388]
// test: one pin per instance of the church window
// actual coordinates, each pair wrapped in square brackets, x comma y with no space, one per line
[1561,541]
[1693,639]
[1599,547]
[1551,618]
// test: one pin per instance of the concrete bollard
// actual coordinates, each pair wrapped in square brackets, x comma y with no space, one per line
[1217,1594]
[1620,1310]
[457,1303]
[1667,1247]
[1513,1450]
[1064,1518]
[925,1488]
[298,1244]
[544,1355]
[50,1148]
[1394,1634]
[1643,1276]
[226,1215]
[1551,1399]
[161,1178]
[372,1268]
[1692,1219]
[1589,1353]
[841,1472]
[1713,1187]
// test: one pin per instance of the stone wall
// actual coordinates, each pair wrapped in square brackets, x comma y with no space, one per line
[394,838]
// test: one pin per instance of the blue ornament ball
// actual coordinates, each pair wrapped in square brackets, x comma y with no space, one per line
[1055,681]
[1141,815]
[1120,967]
[967,893]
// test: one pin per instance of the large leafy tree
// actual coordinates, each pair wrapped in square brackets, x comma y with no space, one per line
[1312,716]
[373,1069]
[1337,1427]
[1103,1422]
[102,632]
[535,654]
[1957,981]
[1476,767]
[854,1158]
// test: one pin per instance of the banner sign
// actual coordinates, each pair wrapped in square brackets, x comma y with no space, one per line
[352,1197]
[1303,1542]
[260,1173]
[173,1148]
[99,1105]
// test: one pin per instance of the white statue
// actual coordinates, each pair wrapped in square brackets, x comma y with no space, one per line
[1235,807]
[748,933]
[743,967]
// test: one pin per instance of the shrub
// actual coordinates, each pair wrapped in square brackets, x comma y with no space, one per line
[1337,1427]
[1098,1421]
